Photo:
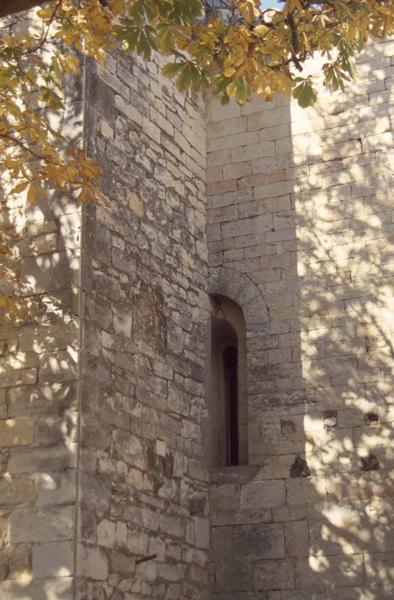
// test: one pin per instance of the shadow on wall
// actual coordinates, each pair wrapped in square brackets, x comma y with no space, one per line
[345,263]
[252,243]
[310,517]
[38,398]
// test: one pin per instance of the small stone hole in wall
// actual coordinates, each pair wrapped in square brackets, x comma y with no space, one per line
[287,426]
[330,419]
[197,505]
[371,419]
[160,467]
[369,463]
[299,468]
[168,466]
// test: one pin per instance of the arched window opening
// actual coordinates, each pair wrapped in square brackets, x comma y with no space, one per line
[227,397]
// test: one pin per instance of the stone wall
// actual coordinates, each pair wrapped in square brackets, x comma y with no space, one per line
[104,493]
[39,374]
[143,529]
[301,236]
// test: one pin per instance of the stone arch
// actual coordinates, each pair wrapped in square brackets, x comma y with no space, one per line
[241,289]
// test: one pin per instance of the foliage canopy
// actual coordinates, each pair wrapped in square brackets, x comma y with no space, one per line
[233,47]
[234,52]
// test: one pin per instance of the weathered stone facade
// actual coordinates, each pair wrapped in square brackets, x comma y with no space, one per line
[300,215]
[39,397]
[104,493]
[103,412]
[143,489]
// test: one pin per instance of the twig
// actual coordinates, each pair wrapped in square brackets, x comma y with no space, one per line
[44,37]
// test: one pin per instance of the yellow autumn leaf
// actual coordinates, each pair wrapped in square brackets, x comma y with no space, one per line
[229,71]
[31,193]
[20,187]
[292,5]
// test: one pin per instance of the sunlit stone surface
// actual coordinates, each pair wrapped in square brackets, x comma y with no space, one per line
[105,428]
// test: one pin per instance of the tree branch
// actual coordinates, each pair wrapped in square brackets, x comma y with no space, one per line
[10,7]
[23,146]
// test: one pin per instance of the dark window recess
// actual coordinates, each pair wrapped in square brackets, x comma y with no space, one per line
[227,399]
[230,360]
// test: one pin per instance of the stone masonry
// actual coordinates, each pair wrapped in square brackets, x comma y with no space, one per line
[104,489]
[104,493]
[39,396]
[300,215]
[143,488]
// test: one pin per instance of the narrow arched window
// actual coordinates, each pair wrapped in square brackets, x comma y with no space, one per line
[230,374]
[227,394]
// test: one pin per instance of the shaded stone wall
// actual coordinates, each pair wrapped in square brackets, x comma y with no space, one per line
[104,492]
[300,207]
[39,374]
[143,488]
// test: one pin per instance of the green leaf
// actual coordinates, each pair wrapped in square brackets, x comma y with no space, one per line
[165,39]
[305,94]
[171,69]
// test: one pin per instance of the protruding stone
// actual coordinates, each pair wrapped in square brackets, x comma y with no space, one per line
[369,463]
[299,468]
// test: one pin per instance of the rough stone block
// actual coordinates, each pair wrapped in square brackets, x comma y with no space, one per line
[297,539]
[59,366]
[46,273]
[122,563]
[106,533]
[16,492]
[60,588]
[92,563]
[16,432]
[251,542]
[41,524]
[55,488]
[128,110]
[225,497]
[301,491]
[263,494]
[34,460]
[41,399]
[55,431]
[274,575]
[18,377]
[379,570]
[53,560]
[201,529]
[329,572]
[233,576]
